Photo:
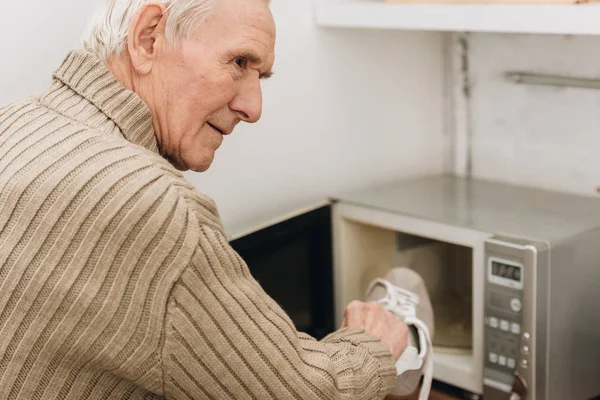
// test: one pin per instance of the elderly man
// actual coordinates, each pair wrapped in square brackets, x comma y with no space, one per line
[116,279]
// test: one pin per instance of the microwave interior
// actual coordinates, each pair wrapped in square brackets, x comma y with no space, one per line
[368,252]
[448,275]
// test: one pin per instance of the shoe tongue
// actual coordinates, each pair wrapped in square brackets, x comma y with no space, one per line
[408,281]
[377,293]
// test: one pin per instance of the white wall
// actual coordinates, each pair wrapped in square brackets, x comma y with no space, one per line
[36,34]
[332,112]
[541,136]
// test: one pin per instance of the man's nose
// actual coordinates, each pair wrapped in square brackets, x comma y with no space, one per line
[248,102]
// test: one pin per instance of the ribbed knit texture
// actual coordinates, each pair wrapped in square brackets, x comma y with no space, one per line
[116,278]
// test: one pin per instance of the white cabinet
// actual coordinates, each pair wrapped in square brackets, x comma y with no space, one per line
[577,19]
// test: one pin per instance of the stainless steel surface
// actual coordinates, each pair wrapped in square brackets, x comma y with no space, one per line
[574,319]
[491,207]
[492,393]
[541,326]
[552,80]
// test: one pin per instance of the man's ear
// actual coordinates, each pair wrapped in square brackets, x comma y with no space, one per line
[146,36]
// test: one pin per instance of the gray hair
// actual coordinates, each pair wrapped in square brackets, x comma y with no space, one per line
[107,35]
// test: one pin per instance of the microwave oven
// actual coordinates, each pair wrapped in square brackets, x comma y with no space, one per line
[513,274]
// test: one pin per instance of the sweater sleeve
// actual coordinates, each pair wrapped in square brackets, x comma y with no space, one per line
[227,339]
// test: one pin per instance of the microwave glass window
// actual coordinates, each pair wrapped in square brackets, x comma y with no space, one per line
[282,273]
[507,271]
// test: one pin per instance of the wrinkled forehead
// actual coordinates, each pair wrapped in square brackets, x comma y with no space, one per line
[247,23]
[254,13]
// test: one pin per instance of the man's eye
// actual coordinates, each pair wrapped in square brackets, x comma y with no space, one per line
[241,62]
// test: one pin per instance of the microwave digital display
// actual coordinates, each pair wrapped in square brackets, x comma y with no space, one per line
[506,271]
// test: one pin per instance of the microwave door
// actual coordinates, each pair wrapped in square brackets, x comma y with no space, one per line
[291,259]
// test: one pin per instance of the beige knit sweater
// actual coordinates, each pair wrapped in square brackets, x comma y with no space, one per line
[117,281]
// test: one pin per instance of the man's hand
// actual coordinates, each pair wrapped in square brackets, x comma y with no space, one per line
[380,323]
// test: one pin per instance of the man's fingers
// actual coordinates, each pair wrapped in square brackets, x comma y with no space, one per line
[390,318]
[400,331]
[372,317]
[378,322]
[354,315]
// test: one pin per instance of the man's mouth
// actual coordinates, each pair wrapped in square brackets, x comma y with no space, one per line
[216,129]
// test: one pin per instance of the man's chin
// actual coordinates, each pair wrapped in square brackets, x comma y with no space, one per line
[202,168]
[178,165]
[182,166]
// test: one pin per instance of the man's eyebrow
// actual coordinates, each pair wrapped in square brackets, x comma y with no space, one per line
[251,57]
[254,59]
[266,75]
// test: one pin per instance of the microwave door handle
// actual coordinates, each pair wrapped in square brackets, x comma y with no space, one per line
[519,389]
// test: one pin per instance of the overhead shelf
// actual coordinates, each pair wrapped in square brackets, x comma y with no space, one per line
[572,19]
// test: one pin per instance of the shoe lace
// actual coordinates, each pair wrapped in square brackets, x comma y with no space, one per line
[403,304]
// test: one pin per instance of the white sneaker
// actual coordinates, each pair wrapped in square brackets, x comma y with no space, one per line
[402,292]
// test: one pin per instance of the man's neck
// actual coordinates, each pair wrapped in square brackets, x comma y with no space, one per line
[121,68]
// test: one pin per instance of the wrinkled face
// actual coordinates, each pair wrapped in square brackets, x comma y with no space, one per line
[205,87]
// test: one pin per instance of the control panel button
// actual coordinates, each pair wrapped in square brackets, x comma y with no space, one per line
[515,328]
[525,350]
[515,305]
[493,358]
[504,325]
[502,360]
[524,363]
[493,322]
[510,363]
[526,336]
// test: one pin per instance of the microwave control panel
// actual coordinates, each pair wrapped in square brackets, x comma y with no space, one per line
[508,344]
[504,303]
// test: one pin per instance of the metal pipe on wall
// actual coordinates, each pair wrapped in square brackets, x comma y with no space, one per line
[528,78]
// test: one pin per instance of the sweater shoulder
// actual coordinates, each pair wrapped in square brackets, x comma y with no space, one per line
[136,163]
[48,154]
